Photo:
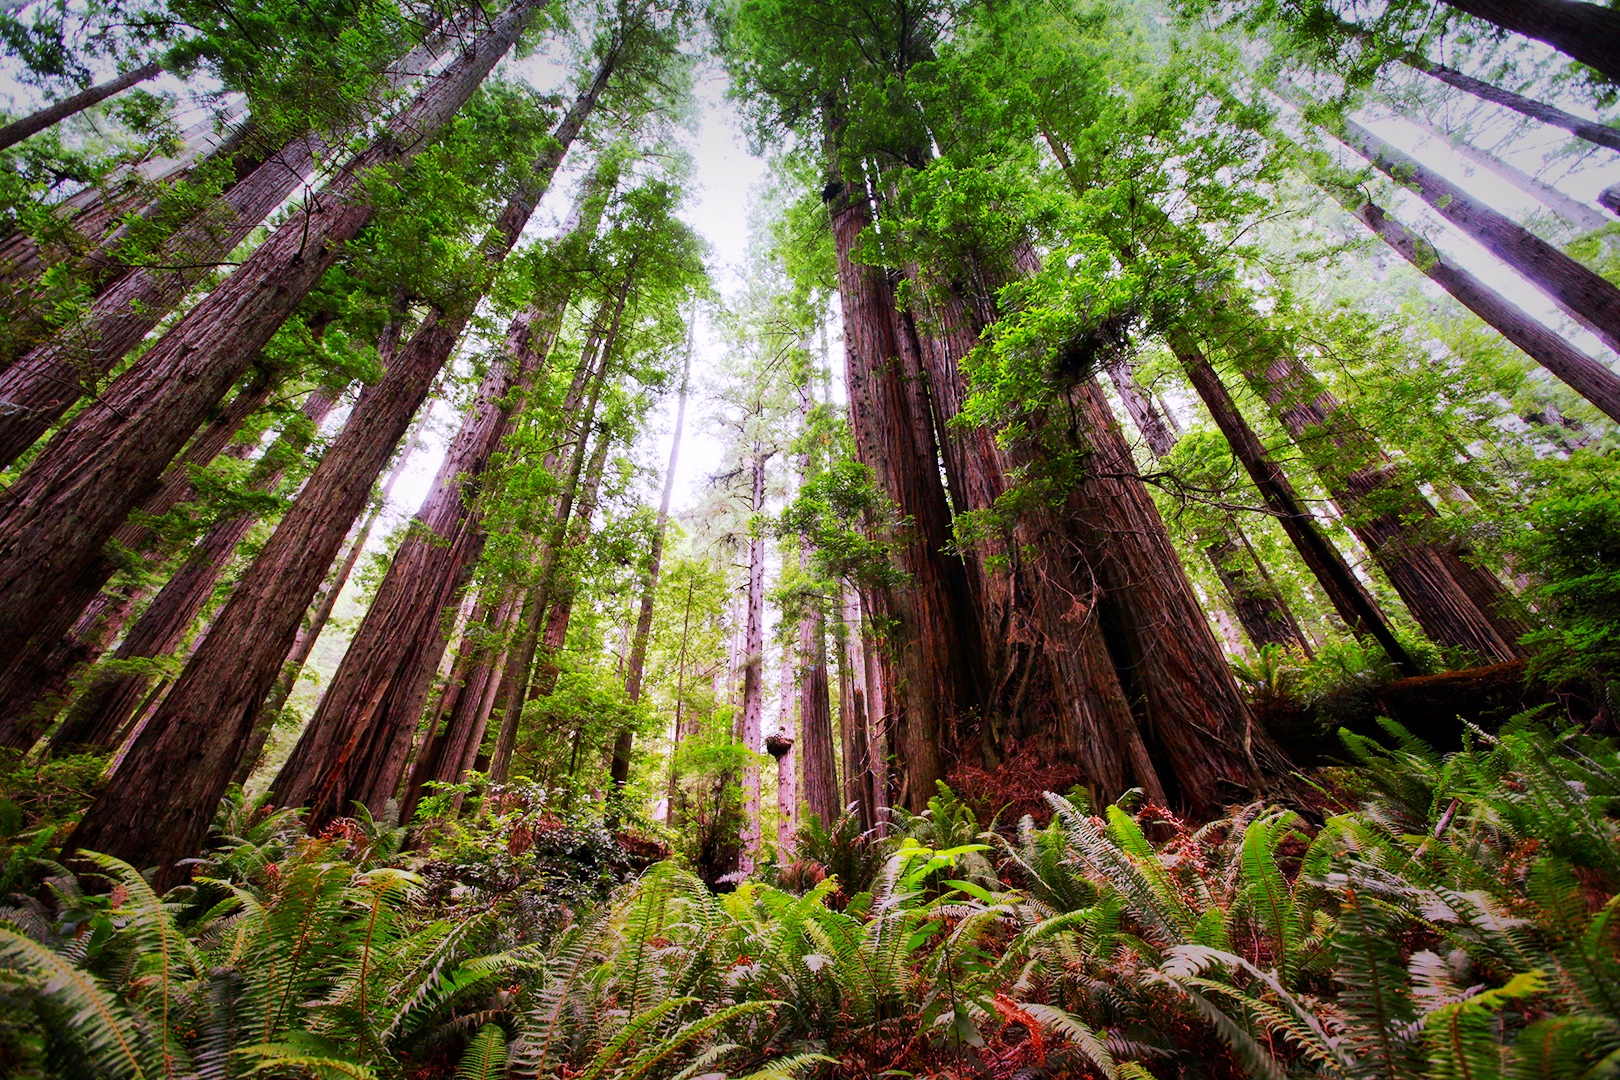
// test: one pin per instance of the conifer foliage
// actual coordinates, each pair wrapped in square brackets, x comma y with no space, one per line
[1117,578]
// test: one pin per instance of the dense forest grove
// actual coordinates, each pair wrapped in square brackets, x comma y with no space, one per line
[791,539]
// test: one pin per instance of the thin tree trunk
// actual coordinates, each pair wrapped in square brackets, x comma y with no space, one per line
[678,730]
[753,683]
[1590,130]
[1589,298]
[1433,576]
[1586,376]
[157,807]
[520,659]
[18,130]
[815,706]
[780,747]
[859,787]
[1581,217]
[101,713]
[1586,32]
[87,619]
[109,458]
[624,743]
[1338,582]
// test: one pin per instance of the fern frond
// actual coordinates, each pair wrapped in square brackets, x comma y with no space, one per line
[485,1057]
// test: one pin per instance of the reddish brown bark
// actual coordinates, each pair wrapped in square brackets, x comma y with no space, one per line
[1161,643]
[1455,601]
[624,743]
[1338,582]
[1591,299]
[320,614]
[1056,681]
[102,711]
[1587,32]
[1592,380]
[158,805]
[1259,608]
[109,458]
[86,619]
[936,658]
[815,738]
[354,747]
[18,130]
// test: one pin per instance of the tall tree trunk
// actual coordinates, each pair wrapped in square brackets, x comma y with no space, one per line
[320,614]
[1589,298]
[678,732]
[87,620]
[1590,130]
[1577,214]
[1586,32]
[936,678]
[1586,376]
[514,685]
[815,740]
[624,743]
[18,130]
[1338,582]
[130,300]
[1058,687]
[101,713]
[1162,645]
[749,718]
[1259,607]
[108,459]
[859,785]
[157,807]
[1455,601]
[353,748]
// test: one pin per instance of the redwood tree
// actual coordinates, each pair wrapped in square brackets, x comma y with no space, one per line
[109,458]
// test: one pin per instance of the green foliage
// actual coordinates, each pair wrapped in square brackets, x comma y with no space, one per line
[1573,541]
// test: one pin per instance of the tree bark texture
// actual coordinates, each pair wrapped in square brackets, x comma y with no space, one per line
[1589,298]
[624,743]
[87,620]
[1338,581]
[1162,645]
[1056,682]
[935,657]
[1586,32]
[18,130]
[1589,378]
[102,712]
[108,459]
[815,737]
[1259,608]
[354,747]
[37,390]
[320,613]
[157,807]
[749,715]
[1433,574]
[1590,130]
